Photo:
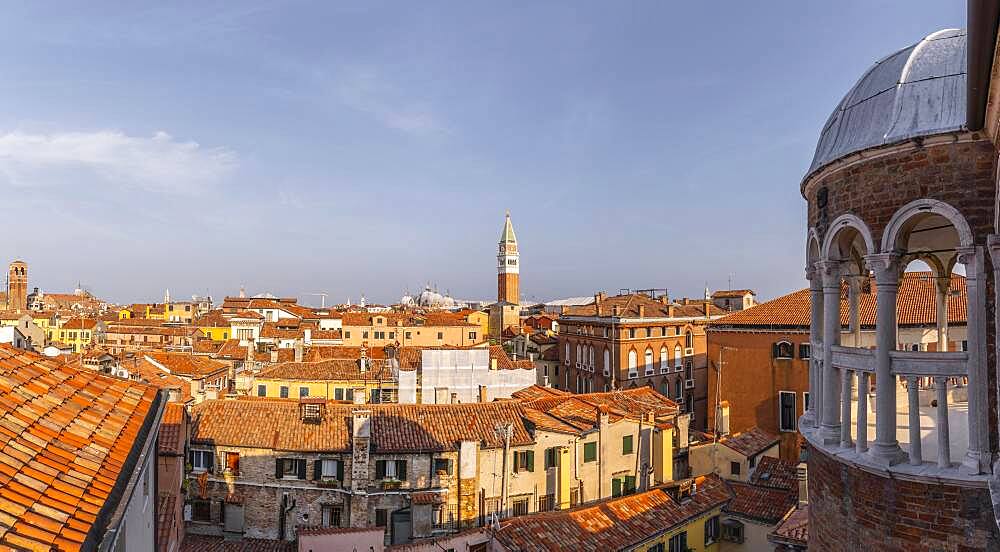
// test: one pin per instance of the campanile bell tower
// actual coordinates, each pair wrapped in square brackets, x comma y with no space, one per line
[508,266]
[17,286]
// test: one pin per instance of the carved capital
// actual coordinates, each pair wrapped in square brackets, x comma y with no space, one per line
[968,257]
[830,272]
[886,267]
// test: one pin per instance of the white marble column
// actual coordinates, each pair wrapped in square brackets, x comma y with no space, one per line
[978,458]
[885,450]
[812,415]
[830,426]
[943,288]
[854,308]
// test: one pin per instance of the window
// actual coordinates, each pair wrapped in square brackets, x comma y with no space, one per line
[380,517]
[627,444]
[524,460]
[290,468]
[678,390]
[711,530]
[349,395]
[233,463]
[658,547]
[679,542]
[390,469]
[664,361]
[590,452]
[303,392]
[519,506]
[678,362]
[805,400]
[732,531]
[201,460]
[201,510]
[648,362]
[631,333]
[338,393]
[781,350]
[607,361]
[752,461]
[633,360]
[284,392]
[547,503]
[551,457]
[688,340]
[347,334]
[261,390]
[364,334]
[330,516]
[804,351]
[623,485]
[734,468]
[443,466]
[786,410]
[472,335]
[591,363]
[330,469]
[579,354]
[406,335]
[440,335]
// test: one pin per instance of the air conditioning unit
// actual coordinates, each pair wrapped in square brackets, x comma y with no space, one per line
[633,375]
[665,370]
[679,368]
[607,372]
[689,351]
[689,384]
[649,371]
[679,399]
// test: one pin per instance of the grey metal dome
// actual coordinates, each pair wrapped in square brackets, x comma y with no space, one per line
[917,91]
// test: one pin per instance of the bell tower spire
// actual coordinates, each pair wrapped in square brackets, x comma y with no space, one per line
[508,265]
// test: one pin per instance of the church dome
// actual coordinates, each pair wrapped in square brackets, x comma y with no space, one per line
[917,91]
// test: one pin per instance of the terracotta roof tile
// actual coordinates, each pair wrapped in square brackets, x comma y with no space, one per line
[615,524]
[915,305]
[794,529]
[69,431]
[171,442]
[775,472]
[756,502]
[653,308]
[187,364]
[329,370]
[201,543]
[750,442]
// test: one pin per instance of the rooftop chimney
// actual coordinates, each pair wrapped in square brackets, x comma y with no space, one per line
[616,310]
[298,351]
[803,475]
[599,297]
[642,311]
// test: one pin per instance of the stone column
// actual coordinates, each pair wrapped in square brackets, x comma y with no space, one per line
[943,288]
[977,459]
[812,415]
[854,308]
[830,425]
[993,243]
[885,450]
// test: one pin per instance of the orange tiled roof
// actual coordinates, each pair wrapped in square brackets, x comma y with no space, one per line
[794,529]
[79,324]
[504,362]
[151,374]
[614,524]
[750,442]
[275,424]
[733,293]
[578,412]
[171,443]
[536,392]
[916,305]
[187,364]
[212,319]
[652,308]
[775,472]
[67,432]
[759,503]
[181,331]
[340,369]
[202,543]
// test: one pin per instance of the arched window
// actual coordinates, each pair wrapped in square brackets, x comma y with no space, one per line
[678,363]
[688,339]
[782,349]
[664,364]
[607,359]
[579,384]
[579,354]
[664,388]
[591,357]
[633,361]
[567,352]
[648,366]
[678,388]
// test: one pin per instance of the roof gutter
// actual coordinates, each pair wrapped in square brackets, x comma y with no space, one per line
[982,33]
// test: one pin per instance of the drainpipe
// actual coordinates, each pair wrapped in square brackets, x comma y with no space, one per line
[286,507]
[506,430]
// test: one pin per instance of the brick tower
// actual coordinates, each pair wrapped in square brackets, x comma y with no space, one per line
[17,286]
[508,290]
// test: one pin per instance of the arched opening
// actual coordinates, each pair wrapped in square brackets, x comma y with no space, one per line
[633,361]
[938,379]
[591,358]
[678,358]
[664,363]
[607,361]
[648,362]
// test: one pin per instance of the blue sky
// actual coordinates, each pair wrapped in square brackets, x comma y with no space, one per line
[298,147]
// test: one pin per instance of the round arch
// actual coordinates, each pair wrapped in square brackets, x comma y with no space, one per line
[845,221]
[898,223]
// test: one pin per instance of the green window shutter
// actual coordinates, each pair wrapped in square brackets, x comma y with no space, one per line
[340,470]
[530,460]
[401,470]
[380,469]
[589,452]
[517,458]
[318,470]
[616,487]
[627,444]
[629,484]
[302,468]
[277,468]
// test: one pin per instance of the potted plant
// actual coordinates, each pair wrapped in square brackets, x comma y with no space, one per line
[391,483]
[328,482]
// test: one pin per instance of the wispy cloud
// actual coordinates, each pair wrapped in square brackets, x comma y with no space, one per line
[157,163]
[364,90]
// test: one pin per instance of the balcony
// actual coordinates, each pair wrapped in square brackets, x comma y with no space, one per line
[930,415]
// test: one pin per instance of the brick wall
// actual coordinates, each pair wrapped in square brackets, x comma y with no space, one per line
[893,515]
